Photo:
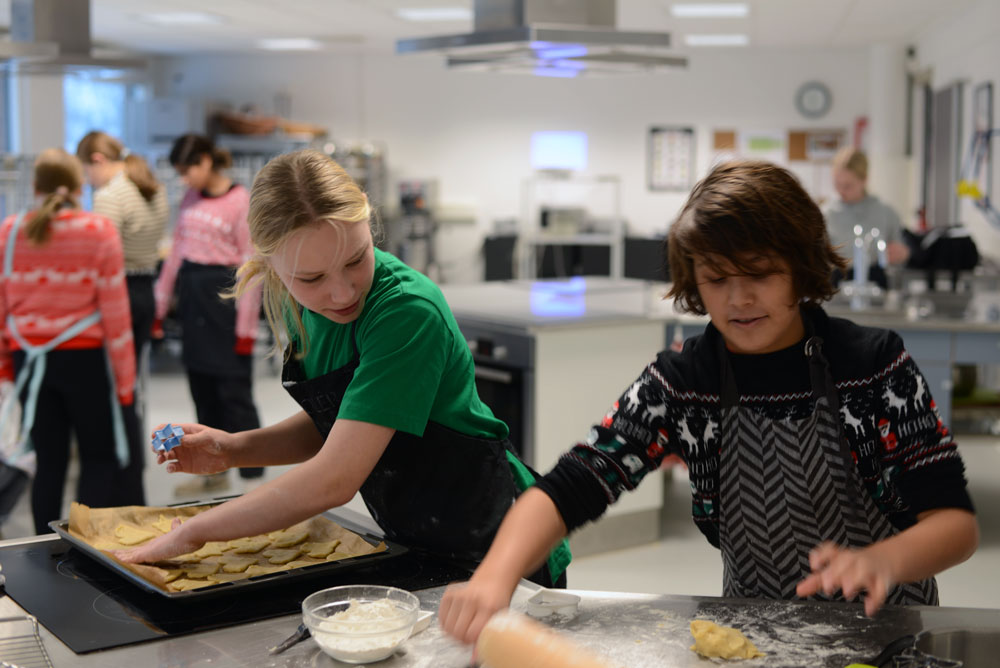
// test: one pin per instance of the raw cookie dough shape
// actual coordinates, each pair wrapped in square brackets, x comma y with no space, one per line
[255,569]
[249,545]
[171,574]
[712,640]
[233,564]
[320,550]
[211,549]
[163,524]
[184,584]
[130,535]
[281,556]
[288,537]
[202,570]
[226,577]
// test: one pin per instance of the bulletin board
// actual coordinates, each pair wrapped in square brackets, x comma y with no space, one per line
[670,162]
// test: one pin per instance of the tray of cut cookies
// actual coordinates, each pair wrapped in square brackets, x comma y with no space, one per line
[317,546]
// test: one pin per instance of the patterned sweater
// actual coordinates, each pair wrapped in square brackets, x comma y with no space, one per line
[142,224]
[79,270]
[212,231]
[904,454]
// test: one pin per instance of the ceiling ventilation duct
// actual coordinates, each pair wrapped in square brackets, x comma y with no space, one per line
[53,36]
[549,37]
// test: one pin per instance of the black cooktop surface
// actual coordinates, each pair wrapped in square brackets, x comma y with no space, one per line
[89,607]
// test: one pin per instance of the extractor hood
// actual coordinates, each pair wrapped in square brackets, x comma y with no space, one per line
[549,37]
[53,36]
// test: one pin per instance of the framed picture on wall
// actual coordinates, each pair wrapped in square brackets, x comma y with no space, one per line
[670,160]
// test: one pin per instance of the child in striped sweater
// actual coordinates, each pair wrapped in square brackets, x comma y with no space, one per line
[66,325]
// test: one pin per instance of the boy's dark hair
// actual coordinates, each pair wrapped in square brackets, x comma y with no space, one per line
[745,211]
[188,150]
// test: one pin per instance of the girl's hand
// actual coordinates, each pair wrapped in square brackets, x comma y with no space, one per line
[168,545]
[850,571]
[466,607]
[202,450]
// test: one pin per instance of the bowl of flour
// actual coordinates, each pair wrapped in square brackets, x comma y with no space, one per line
[360,623]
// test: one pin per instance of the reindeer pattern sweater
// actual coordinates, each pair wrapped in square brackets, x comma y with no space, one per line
[905,456]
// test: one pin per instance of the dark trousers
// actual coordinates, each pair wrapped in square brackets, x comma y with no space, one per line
[74,399]
[142,305]
[227,404]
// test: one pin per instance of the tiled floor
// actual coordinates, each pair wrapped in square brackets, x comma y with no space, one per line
[681,563]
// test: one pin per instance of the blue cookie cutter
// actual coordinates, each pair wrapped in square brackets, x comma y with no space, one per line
[167,438]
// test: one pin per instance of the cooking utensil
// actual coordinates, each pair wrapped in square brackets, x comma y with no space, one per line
[546,602]
[884,657]
[298,636]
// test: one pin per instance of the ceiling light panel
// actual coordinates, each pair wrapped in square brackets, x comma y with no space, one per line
[290,44]
[181,18]
[716,40]
[420,14]
[710,10]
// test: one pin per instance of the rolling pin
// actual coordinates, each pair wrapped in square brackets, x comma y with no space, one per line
[512,640]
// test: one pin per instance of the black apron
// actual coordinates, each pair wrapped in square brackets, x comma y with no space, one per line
[208,321]
[788,485]
[444,492]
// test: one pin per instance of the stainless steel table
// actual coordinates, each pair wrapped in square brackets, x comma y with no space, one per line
[636,630]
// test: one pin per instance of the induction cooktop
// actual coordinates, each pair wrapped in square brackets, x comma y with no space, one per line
[89,607]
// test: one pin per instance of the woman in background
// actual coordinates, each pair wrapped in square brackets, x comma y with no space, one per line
[211,240]
[857,207]
[126,191]
[66,324]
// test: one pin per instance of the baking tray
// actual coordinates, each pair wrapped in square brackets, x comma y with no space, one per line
[253,583]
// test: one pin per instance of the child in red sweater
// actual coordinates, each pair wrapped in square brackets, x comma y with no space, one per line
[66,329]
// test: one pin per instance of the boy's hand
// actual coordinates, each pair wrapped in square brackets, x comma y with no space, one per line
[466,607]
[850,571]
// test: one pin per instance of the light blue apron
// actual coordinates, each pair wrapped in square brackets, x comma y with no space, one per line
[33,370]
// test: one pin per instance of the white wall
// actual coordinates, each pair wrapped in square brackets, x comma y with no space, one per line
[471,131]
[966,48]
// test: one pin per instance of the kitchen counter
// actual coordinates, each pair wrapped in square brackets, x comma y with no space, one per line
[535,305]
[637,630]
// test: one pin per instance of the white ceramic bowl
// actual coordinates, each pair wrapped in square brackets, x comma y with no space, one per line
[360,623]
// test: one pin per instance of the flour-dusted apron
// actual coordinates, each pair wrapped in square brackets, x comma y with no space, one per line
[33,371]
[444,492]
[788,485]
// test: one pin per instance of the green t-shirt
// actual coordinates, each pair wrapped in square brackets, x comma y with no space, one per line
[415,364]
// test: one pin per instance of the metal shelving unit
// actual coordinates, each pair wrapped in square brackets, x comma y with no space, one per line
[579,210]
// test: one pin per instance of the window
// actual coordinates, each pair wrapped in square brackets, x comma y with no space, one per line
[6,112]
[92,103]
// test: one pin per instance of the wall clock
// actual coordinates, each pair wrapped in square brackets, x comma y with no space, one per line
[813,99]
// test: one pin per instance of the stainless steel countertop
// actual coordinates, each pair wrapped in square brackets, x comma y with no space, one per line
[532,305]
[636,630]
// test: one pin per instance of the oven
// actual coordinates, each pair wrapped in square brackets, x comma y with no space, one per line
[505,380]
